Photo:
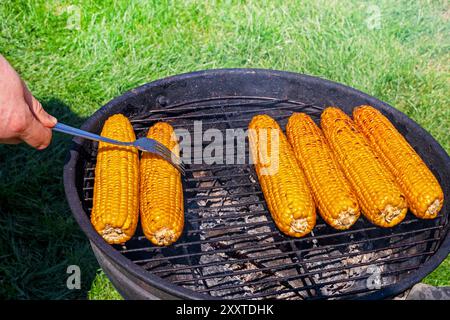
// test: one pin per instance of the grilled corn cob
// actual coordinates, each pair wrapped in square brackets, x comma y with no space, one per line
[421,188]
[282,181]
[380,198]
[115,209]
[162,211]
[332,193]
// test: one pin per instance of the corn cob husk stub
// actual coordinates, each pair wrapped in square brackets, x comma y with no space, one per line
[423,192]
[334,197]
[161,191]
[282,182]
[381,200]
[115,209]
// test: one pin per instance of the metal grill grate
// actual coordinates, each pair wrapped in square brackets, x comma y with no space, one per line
[230,247]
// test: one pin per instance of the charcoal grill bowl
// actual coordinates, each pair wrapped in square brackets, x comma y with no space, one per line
[134,282]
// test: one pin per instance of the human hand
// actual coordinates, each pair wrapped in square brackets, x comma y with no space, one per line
[22,117]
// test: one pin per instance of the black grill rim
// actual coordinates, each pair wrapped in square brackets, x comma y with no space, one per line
[115,257]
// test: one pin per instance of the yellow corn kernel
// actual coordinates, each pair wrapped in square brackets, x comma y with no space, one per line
[282,182]
[161,191]
[380,198]
[421,188]
[334,197]
[115,209]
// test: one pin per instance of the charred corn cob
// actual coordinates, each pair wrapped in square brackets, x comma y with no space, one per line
[115,209]
[282,181]
[380,198]
[421,188]
[331,191]
[162,211]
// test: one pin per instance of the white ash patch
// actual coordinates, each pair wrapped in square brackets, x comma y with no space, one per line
[359,264]
[243,249]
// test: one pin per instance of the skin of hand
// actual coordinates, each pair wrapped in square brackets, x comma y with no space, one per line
[22,118]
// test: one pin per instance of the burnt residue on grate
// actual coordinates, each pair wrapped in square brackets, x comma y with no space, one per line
[231,248]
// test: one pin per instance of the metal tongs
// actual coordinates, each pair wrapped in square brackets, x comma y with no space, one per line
[143,144]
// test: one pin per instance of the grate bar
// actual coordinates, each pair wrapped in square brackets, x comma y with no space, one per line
[245,225]
[290,278]
[207,188]
[230,216]
[228,196]
[215,167]
[226,238]
[221,114]
[322,236]
[206,124]
[322,284]
[227,206]
[228,228]
[200,198]
[175,108]
[294,264]
[250,237]
[252,247]
[207,178]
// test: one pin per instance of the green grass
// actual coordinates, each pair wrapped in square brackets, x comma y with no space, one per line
[441,276]
[121,45]
[102,289]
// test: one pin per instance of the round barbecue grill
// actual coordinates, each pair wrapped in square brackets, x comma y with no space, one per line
[230,248]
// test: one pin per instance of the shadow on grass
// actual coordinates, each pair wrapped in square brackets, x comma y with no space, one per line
[39,238]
